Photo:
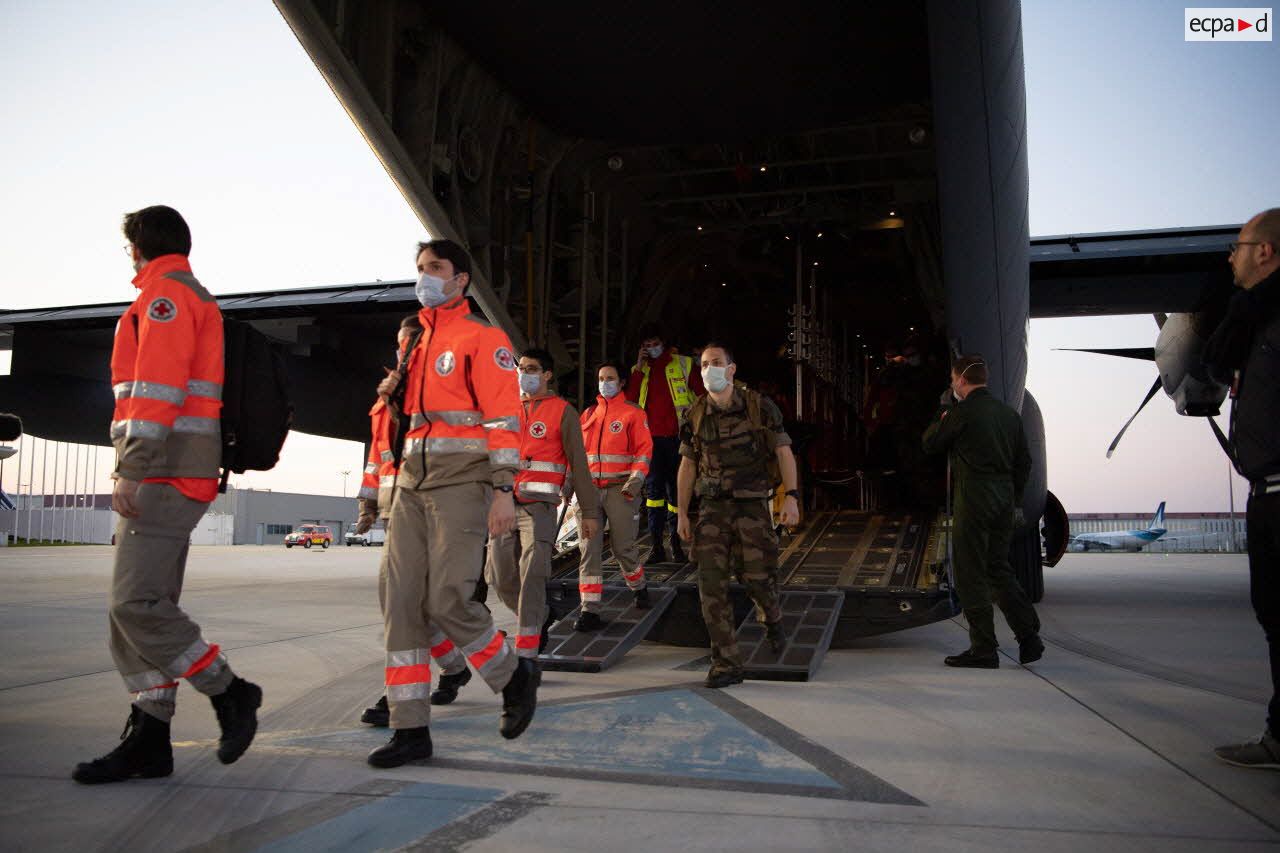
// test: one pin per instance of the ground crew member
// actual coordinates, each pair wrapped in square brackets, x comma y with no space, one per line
[550,447]
[618,452]
[377,490]
[166,372]
[664,384]
[1246,348]
[990,464]
[455,480]
[730,441]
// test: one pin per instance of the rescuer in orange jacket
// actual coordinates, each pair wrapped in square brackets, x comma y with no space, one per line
[377,491]
[461,452]
[166,373]
[619,449]
[551,449]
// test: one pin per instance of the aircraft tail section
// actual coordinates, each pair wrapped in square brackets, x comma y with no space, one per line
[1157,523]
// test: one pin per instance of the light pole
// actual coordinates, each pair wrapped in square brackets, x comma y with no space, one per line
[344,474]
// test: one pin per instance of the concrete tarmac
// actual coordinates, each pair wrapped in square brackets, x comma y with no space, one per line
[1104,745]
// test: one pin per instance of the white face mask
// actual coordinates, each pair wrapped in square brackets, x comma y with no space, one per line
[430,290]
[715,378]
[530,383]
[609,388]
[655,352]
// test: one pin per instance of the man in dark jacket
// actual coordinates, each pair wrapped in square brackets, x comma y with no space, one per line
[1245,351]
[990,464]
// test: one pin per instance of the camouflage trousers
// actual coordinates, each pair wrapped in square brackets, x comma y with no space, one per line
[734,539]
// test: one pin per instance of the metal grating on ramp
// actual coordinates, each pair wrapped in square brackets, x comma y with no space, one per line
[595,651]
[808,624]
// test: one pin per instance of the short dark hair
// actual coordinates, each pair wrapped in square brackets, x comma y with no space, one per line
[972,368]
[156,231]
[447,250]
[541,356]
[411,322]
[651,330]
[609,363]
[728,353]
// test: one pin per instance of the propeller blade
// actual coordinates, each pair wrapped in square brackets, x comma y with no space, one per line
[1140,353]
[1154,388]
[1160,319]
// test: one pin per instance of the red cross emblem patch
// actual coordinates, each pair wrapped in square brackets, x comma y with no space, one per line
[162,310]
[504,359]
[615,427]
[537,429]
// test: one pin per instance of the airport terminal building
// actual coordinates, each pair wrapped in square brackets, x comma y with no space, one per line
[239,517]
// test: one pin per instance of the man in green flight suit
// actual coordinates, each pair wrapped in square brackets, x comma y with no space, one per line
[734,446]
[990,465]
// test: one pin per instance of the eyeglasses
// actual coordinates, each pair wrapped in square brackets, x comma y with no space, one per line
[128,249]
[1231,247]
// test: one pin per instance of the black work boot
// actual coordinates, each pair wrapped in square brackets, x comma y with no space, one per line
[773,633]
[237,710]
[724,677]
[1030,650]
[967,659]
[448,686]
[588,622]
[379,716]
[677,550]
[405,745]
[642,598]
[519,699]
[145,752]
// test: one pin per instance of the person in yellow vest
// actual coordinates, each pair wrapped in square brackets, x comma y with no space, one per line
[519,562]
[664,383]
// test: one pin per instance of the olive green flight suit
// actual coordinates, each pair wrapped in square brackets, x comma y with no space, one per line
[990,465]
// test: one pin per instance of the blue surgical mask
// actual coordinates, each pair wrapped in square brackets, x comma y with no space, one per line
[715,379]
[654,352]
[530,383]
[430,290]
[609,389]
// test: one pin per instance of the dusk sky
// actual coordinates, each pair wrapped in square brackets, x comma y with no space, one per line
[217,110]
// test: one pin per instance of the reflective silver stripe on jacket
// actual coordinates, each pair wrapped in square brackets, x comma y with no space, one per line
[539,488]
[435,444]
[201,426]
[150,391]
[644,459]
[386,456]
[371,468]
[510,424]
[610,458]
[545,467]
[386,481]
[408,657]
[507,457]
[201,388]
[368,493]
[135,428]
[454,418]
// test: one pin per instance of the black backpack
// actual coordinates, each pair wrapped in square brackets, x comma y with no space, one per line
[256,411]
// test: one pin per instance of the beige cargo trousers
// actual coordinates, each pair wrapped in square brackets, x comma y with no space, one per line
[519,565]
[623,514]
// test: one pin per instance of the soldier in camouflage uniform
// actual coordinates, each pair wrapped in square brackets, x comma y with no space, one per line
[734,449]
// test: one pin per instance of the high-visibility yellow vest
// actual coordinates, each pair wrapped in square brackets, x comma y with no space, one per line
[677,372]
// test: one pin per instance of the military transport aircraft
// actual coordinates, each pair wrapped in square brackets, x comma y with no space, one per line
[818,187]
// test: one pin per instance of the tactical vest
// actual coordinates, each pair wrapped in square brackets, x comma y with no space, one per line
[677,373]
[737,462]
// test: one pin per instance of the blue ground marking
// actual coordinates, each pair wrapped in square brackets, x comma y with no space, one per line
[388,822]
[665,733]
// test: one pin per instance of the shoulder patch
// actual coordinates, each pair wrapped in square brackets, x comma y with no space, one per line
[504,359]
[162,309]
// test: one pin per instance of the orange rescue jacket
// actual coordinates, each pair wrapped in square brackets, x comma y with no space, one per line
[166,373]
[619,446]
[380,468]
[543,462]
